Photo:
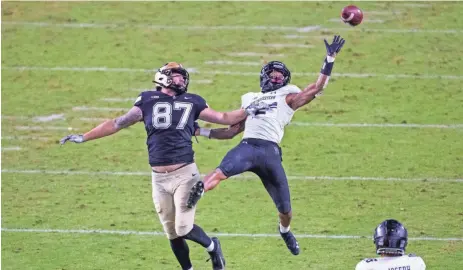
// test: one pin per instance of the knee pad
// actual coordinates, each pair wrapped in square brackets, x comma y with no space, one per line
[284,207]
[182,229]
[170,233]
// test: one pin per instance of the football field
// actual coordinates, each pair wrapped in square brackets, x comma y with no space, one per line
[385,140]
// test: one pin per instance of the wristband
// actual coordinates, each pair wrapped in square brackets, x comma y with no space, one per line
[327,66]
[206,132]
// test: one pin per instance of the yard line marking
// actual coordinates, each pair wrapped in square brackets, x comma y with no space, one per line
[231,63]
[118,99]
[48,118]
[228,27]
[85,108]
[291,177]
[320,37]
[245,54]
[385,125]
[152,26]
[12,117]
[379,30]
[23,138]
[201,81]
[240,73]
[294,123]
[387,12]
[223,234]
[412,5]
[94,119]
[44,128]
[11,148]
[283,45]
[364,21]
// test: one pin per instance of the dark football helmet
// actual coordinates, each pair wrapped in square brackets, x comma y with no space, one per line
[390,238]
[163,77]
[266,83]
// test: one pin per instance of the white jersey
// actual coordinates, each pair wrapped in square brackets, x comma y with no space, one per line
[405,262]
[271,125]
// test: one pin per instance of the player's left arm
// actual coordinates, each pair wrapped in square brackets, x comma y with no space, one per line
[221,133]
[108,127]
[295,101]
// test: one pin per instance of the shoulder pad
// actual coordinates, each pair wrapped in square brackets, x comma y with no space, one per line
[289,89]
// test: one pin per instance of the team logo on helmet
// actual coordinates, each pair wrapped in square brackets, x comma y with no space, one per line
[267,80]
[163,77]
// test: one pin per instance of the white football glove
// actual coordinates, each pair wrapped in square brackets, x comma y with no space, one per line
[76,138]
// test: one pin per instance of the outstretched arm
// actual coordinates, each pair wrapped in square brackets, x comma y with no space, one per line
[108,127]
[223,118]
[221,133]
[295,101]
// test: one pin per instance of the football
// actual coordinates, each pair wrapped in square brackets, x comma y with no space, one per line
[352,15]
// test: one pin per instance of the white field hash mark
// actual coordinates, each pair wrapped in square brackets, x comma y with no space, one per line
[309,28]
[246,235]
[240,73]
[290,177]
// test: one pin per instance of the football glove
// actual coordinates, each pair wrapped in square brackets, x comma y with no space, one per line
[76,138]
[335,47]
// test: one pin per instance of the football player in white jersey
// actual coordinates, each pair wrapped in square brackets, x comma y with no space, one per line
[391,238]
[259,151]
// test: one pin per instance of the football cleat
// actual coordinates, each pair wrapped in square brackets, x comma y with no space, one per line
[290,241]
[217,259]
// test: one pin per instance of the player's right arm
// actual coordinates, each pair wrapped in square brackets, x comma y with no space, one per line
[295,101]
[109,127]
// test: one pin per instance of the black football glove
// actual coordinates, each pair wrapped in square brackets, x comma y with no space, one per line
[334,47]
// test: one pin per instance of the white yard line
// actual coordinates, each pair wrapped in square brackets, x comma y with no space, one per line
[294,123]
[44,128]
[320,37]
[290,177]
[385,125]
[93,119]
[364,21]
[26,138]
[118,99]
[85,108]
[160,27]
[246,54]
[201,81]
[11,148]
[412,4]
[240,73]
[386,12]
[233,63]
[49,118]
[223,234]
[303,29]
[283,45]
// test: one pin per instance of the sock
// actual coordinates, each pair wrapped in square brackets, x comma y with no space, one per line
[199,236]
[182,252]
[211,247]
[284,229]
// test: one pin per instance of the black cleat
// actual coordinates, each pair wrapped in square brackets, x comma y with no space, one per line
[196,193]
[218,261]
[290,241]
